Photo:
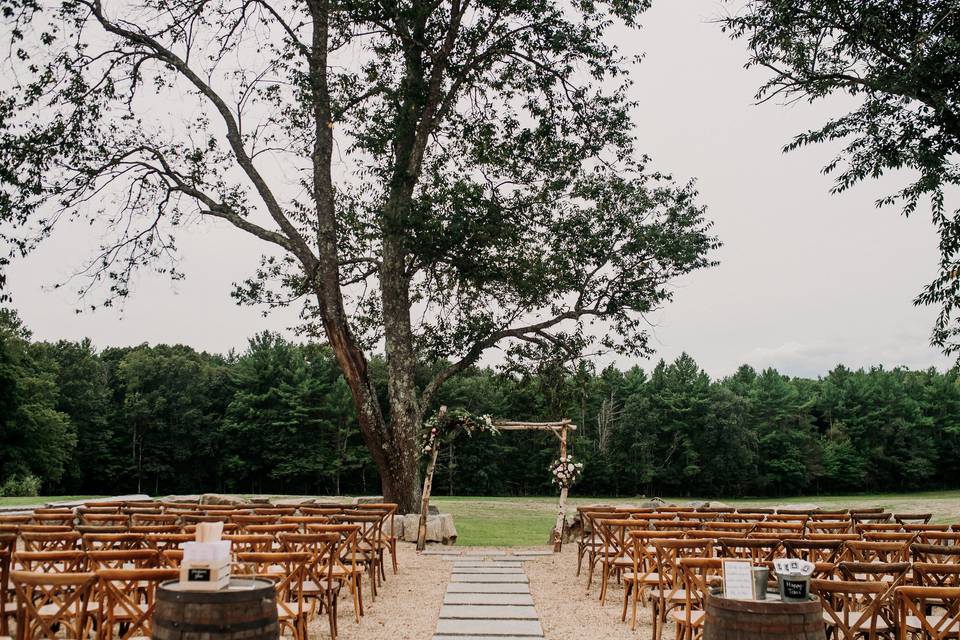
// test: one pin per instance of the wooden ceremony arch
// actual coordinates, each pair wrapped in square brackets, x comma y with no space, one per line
[559,429]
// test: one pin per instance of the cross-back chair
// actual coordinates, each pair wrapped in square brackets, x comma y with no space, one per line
[390,534]
[53,605]
[936,574]
[369,549]
[127,601]
[123,559]
[698,575]
[861,551]
[590,543]
[104,541]
[938,553]
[669,593]
[814,550]
[250,542]
[913,518]
[347,568]
[64,561]
[644,571]
[755,549]
[288,581]
[852,609]
[322,577]
[928,613]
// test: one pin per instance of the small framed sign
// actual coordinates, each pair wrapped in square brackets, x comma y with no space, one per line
[738,580]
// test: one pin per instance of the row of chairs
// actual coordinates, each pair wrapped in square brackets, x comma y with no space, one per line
[647,550]
[310,552]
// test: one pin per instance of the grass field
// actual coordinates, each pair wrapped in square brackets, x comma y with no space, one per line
[528,521]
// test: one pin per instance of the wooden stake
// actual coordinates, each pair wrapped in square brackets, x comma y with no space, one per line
[428,485]
[562,507]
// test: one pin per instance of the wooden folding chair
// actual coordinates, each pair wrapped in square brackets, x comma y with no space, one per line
[390,535]
[852,609]
[928,613]
[291,612]
[383,546]
[698,575]
[323,576]
[590,542]
[56,541]
[127,600]
[53,605]
[369,549]
[669,593]
[347,567]
[615,555]
[644,571]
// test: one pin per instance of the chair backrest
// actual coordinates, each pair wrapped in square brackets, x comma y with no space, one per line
[246,519]
[919,604]
[151,519]
[164,541]
[391,511]
[676,525]
[827,526]
[614,534]
[887,572]
[814,550]
[127,601]
[756,549]
[57,541]
[250,542]
[669,553]
[274,511]
[320,511]
[860,551]
[949,538]
[52,605]
[171,558]
[697,576]
[123,559]
[721,525]
[270,529]
[369,534]
[105,519]
[936,574]
[790,528]
[936,553]
[303,521]
[889,536]
[752,511]
[853,609]
[864,527]
[833,536]
[68,561]
[104,541]
[913,518]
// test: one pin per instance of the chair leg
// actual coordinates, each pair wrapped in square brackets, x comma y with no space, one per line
[580,553]
[627,587]
[393,555]
[636,597]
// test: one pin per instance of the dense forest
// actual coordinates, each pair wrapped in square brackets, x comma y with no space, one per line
[278,418]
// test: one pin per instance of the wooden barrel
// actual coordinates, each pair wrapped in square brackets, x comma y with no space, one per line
[768,619]
[247,610]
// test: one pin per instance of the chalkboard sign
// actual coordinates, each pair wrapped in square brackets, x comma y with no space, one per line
[198,574]
[795,589]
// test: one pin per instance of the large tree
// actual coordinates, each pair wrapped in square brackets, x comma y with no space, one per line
[433,179]
[899,61]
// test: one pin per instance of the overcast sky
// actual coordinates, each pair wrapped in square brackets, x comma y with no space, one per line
[807,280]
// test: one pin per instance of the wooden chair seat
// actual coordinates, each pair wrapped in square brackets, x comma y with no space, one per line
[913,622]
[679,616]
[881,626]
[645,578]
[673,595]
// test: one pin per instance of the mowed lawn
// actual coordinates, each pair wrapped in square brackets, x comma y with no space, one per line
[35,500]
[506,522]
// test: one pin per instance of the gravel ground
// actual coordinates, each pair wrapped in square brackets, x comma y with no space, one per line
[407,606]
[567,610]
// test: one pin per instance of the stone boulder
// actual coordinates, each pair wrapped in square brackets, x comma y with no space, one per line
[440,528]
[219,498]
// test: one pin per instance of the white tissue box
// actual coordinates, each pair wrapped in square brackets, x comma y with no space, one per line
[206,565]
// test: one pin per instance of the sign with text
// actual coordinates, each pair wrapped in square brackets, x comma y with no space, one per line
[738,580]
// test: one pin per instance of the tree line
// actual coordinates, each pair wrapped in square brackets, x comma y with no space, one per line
[278,418]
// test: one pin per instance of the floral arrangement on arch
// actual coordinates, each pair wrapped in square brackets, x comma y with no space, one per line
[445,427]
[564,471]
